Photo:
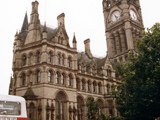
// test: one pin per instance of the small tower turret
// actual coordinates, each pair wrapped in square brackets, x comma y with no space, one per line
[34,29]
[44,34]
[74,42]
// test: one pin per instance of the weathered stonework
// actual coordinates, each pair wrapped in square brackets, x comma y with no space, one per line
[55,79]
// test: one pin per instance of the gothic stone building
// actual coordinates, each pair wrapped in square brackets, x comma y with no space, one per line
[55,79]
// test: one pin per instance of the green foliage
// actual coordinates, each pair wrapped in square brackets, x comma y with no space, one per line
[95,113]
[93,110]
[138,97]
[115,118]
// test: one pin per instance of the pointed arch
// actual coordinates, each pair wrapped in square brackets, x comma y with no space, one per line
[70,78]
[31,111]
[50,57]
[24,59]
[80,108]
[38,56]
[61,105]
[23,79]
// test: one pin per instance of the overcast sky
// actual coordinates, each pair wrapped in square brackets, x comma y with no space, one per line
[82,17]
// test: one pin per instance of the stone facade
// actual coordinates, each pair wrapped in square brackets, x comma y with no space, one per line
[55,79]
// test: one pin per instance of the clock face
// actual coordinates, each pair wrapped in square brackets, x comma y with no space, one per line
[133,15]
[115,16]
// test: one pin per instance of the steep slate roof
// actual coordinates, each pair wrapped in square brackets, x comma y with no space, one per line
[99,61]
[50,31]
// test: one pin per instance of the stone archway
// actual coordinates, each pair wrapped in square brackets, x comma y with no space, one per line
[61,106]
[80,108]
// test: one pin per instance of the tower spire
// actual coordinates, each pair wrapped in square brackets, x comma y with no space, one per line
[25,23]
[74,41]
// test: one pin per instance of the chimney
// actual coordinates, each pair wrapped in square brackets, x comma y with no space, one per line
[87,48]
[35,7]
[60,20]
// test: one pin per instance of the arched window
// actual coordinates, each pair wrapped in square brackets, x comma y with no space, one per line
[50,76]
[99,88]
[30,77]
[59,39]
[100,104]
[89,86]
[23,79]
[69,61]
[110,107]
[83,84]
[70,80]
[50,57]
[58,78]
[59,58]
[31,111]
[63,79]
[63,59]
[38,57]
[30,59]
[24,60]
[108,89]
[77,83]
[38,76]
[94,87]
[80,108]
[60,106]
[109,72]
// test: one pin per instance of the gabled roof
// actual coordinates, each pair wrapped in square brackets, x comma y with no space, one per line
[30,94]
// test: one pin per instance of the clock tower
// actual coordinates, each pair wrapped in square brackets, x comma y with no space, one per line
[123,27]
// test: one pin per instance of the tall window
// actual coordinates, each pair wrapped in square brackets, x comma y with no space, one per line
[59,58]
[110,107]
[63,59]
[94,87]
[108,89]
[83,84]
[38,76]
[89,86]
[24,60]
[58,78]
[80,108]
[23,79]
[60,105]
[70,80]
[30,59]
[109,72]
[50,57]
[30,77]
[38,57]
[69,61]
[31,111]
[78,84]
[99,88]
[50,76]
[63,79]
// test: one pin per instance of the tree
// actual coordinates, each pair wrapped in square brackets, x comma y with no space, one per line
[92,113]
[95,113]
[138,97]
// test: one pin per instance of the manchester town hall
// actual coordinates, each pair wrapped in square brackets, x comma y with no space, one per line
[57,80]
